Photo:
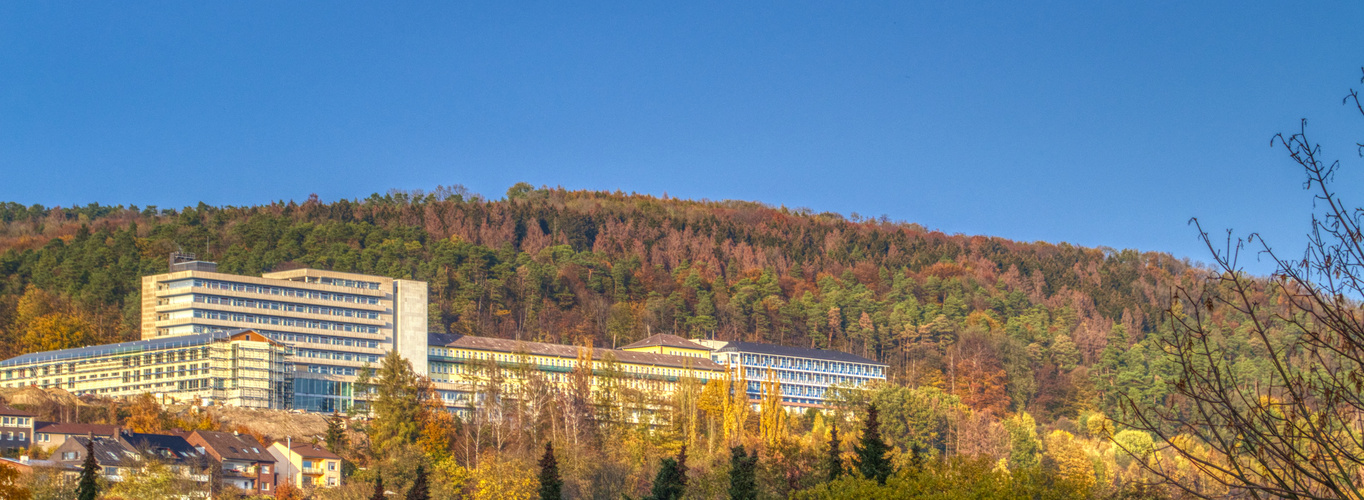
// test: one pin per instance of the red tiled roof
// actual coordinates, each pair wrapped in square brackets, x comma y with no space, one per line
[76,429]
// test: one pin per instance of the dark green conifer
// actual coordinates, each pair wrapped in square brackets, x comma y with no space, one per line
[742,474]
[871,452]
[89,482]
[551,487]
[419,490]
[378,489]
[671,481]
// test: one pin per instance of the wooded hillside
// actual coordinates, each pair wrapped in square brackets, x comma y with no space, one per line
[1050,328]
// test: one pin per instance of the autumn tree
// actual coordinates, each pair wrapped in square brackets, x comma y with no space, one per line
[147,415]
[10,487]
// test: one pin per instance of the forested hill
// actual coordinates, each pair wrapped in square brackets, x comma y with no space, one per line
[1006,325]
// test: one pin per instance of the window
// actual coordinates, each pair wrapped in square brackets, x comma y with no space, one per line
[331,465]
[265,486]
[265,469]
[70,455]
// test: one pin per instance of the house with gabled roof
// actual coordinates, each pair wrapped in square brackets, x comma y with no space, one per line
[246,463]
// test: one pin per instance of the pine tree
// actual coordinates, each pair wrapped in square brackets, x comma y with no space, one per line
[671,481]
[834,462]
[871,452]
[742,482]
[419,490]
[89,482]
[378,489]
[551,487]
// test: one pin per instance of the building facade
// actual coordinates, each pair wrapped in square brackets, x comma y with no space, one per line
[805,375]
[333,322]
[238,368]
[459,363]
[16,428]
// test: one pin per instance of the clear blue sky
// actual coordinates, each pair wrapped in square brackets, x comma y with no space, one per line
[1095,123]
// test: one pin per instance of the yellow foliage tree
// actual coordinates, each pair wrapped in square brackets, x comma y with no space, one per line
[1072,463]
[772,426]
[147,415]
[502,479]
[57,331]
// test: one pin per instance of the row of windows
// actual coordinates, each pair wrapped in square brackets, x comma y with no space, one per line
[339,356]
[790,390]
[322,339]
[275,320]
[810,364]
[14,421]
[790,376]
[363,285]
[286,307]
[272,290]
[332,370]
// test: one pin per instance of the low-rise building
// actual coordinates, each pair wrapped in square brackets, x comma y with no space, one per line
[238,368]
[306,465]
[246,463]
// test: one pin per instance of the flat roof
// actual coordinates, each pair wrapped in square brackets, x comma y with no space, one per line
[121,348]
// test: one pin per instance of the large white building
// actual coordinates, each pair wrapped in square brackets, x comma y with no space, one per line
[332,322]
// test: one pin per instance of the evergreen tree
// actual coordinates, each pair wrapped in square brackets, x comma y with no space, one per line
[419,490]
[834,462]
[378,489]
[742,482]
[551,487]
[871,452]
[336,436]
[89,482]
[671,481]
[396,404]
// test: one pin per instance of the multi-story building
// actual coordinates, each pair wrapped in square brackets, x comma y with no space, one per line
[805,375]
[239,368]
[333,322]
[306,465]
[16,428]
[246,463]
[458,362]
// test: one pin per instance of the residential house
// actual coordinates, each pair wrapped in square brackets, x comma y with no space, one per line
[127,453]
[16,428]
[306,465]
[247,464]
[50,435]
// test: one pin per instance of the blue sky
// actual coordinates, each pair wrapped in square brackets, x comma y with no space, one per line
[1094,123]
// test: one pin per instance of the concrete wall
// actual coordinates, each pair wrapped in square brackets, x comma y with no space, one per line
[410,329]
